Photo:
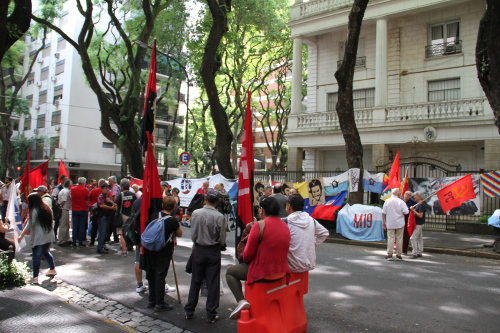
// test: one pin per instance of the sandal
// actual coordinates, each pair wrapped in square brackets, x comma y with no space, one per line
[49,273]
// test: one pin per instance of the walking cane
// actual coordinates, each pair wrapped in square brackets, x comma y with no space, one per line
[176,283]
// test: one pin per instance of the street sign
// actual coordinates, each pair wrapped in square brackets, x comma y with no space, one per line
[185,157]
[184,169]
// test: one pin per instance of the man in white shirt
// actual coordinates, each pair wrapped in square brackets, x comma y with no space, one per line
[64,199]
[393,218]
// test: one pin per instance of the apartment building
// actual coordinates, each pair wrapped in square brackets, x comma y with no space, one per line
[415,86]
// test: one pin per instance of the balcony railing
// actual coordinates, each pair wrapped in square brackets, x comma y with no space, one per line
[360,62]
[315,7]
[164,116]
[469,108]
[331,120]
[442,49]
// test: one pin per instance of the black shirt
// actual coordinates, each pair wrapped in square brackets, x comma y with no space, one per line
[128,201]
[420,209]
[171,226]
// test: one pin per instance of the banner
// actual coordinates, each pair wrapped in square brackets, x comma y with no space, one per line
[258,191]
[327,210]
[40,175]
[452,196]
[433,206]
[353,179]
[316,194]
[337,184]
[360,222]
[491,184]
[373,182]
[188,188]
[14,216]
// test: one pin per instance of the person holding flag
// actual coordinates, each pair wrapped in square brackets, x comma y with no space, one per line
[417,240]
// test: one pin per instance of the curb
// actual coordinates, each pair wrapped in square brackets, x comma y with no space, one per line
[465,253]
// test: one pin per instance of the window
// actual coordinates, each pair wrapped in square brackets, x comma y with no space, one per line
[61,44]
[63,19]
[42,97]
[60,67]
[31,79]
[444,39]
[39,150]
[56,118]
[44,73]
[40,122]
[46,50]
[444,90]
[107,145]
[14,124]
[27,124]
[58,93]
[364,98]
[32,55]
[360,54]
[30,100]
[54,143]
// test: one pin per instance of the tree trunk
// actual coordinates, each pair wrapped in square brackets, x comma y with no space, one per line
[488,57]
[210,64]
[14,26]
[345,108]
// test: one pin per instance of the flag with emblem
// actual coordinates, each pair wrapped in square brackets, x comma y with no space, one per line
[491,184]
[456,193]
[245,172]
[148,117]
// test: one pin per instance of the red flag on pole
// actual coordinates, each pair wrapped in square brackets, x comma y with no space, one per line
[404,184]
[245,173]
[148,118]
[456,193]
[151,189]
[135,181]
[40,175]
[62,171]
[394,174]
[25,179]
[412,223]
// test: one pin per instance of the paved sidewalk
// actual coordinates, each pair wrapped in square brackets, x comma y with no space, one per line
[452,243]
[33,309]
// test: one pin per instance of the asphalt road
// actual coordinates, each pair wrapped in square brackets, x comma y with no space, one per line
[352,289]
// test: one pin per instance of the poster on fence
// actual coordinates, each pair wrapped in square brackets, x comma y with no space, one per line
[360,222]
[433,206]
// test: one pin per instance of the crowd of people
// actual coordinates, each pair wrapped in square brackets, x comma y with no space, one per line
[281,239]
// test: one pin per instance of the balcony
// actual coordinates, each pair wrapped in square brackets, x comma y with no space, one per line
[312,8]
[168,117]
[330,120]
[438,50]
[360,62]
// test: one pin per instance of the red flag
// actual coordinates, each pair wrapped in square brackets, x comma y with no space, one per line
[148,118]
[394,176]
[456,193]
[404,184]
[245,173]
[40,175]
[135,181]
[412,223]
[151,189]
[62,171]
[25,179]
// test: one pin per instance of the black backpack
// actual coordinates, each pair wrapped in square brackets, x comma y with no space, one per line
[56,209]
[196,202]
[131,228]
[225,204]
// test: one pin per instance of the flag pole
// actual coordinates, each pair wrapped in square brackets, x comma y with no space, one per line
[176,282]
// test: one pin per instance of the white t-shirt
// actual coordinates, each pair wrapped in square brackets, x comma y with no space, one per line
[395,210]
[65,195]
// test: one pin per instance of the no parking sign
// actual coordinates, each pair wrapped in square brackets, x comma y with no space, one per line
[185,157]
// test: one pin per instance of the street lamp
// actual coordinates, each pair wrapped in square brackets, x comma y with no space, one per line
[144,45]
[211,154]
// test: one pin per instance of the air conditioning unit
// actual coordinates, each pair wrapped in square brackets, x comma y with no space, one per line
[35,131]
[57,127]
[261,135]
[56,54]
[40,59]
[37,107]
[53,78]
[56,102]
[39,84]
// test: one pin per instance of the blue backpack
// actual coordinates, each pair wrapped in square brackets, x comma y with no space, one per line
[153,238]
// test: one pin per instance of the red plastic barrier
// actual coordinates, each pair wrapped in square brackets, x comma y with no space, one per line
[276,307]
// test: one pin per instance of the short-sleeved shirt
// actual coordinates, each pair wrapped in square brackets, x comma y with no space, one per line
[420,220]
[55,192]
[114,190]
[171,225]
[128,201]
[395,210]
[65,196]
[94,194]
[79,196]
[101,200]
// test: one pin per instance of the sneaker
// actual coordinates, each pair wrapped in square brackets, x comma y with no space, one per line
[141,289]
[34,280]
[413,256]
[163,307]
[103,251]
[389,258]
[212,320]
[419,255]
[243,305]
[150,305]
[399,258]
[188,316]
[169,289]
[123,254]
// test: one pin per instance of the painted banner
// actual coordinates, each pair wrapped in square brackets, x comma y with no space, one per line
[258,191]
[433,206]
[316,193]
[353,179]
[188,188]
[360,222]
[491,184]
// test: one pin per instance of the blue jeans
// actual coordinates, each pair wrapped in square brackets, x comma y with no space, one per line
[79,223]
[101,231]
[38,251]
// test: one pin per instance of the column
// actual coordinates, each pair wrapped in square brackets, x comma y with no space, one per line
[381,64]
[380,155]
[297,76]
[491,155]
[295,155]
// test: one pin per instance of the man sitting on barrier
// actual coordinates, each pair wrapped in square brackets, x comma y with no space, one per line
[270,263]
[305,234]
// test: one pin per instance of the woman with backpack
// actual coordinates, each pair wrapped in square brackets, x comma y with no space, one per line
[265,255]
[39,227]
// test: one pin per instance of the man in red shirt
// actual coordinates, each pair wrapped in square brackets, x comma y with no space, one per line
[94,194]
[79,197]
[204,189]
